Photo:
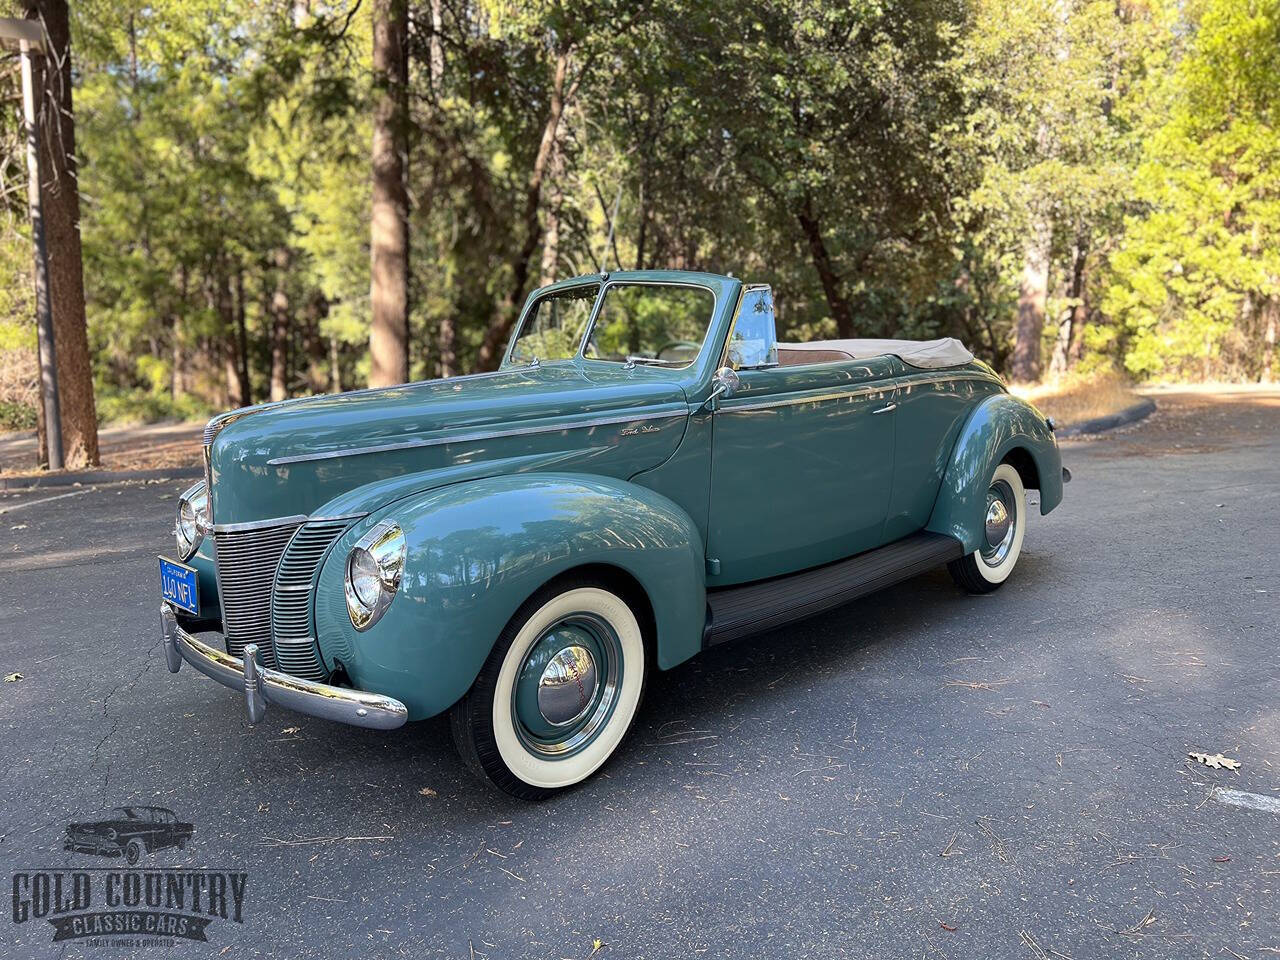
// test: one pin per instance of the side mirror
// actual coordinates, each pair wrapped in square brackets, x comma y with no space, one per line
[726,385]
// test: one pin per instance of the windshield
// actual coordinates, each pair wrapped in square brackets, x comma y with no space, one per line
[660,324]
[554,326]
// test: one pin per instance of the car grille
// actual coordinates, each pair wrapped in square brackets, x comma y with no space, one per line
[295,580]
[246,562]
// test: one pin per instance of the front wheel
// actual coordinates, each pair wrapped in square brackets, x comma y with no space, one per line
[557,694]
[1004,524]
[133,852]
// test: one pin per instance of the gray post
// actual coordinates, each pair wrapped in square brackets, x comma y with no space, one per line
[44,316]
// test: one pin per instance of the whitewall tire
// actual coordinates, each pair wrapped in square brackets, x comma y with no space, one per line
[558,692]
[1000,544]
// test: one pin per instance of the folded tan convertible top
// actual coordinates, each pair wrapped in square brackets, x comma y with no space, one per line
[944,352]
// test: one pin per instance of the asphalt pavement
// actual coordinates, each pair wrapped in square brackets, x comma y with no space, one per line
[919,774]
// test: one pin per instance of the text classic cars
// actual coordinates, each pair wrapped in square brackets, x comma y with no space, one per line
[647,474]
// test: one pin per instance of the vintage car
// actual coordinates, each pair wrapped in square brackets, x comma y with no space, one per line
[129,832]
[647,474]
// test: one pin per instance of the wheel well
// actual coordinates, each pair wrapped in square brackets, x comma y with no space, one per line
[1021,460]
[624,585]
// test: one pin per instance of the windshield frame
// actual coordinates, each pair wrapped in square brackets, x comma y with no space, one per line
[697,375]
[527,314]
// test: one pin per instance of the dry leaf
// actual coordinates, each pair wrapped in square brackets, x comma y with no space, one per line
[596,946]
[428,792]
[1217,761]
[14,678]
[946,926]
[290,729]
[1221,859]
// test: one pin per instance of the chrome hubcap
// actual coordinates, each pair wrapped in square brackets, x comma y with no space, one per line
[1001,523]
[567,686]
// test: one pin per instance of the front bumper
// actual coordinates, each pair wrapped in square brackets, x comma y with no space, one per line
[262,685]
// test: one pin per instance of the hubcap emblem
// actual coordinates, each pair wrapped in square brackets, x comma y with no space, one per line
[997,522]
[567,686]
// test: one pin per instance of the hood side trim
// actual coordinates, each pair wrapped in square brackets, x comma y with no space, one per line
[479,435]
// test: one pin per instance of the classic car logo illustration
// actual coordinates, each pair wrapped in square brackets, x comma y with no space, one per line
[120,906]
[129,832]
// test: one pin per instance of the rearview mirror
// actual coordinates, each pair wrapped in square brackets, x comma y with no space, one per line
[726,385]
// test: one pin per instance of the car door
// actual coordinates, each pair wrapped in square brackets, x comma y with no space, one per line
[802,464]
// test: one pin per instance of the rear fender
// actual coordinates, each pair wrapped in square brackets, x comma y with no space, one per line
[999,425]
[477,550]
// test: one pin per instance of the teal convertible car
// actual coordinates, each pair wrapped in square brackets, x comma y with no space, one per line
[648,473]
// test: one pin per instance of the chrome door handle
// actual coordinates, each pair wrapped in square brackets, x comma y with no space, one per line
[885,409]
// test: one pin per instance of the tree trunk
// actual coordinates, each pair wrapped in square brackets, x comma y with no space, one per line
[178,384]
[56,132]
[389,231]
[241,332]
[280,328]
[832,287]
[1073,318]
[1271,308]
[551,234]
[500,329]
[1029,322]
[335,367]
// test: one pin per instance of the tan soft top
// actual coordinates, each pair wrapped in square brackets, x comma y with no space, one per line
[929,354]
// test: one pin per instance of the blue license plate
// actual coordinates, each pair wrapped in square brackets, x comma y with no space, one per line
[178,586]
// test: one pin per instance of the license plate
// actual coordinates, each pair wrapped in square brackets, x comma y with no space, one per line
[178,586]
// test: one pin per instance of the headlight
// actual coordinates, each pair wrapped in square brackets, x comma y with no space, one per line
[374,566]
[193,519]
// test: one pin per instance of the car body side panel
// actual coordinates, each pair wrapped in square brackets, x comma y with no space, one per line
[478,550]
[801,468]
[999,424]
[932,408]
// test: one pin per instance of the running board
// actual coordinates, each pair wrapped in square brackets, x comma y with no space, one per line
[736,612]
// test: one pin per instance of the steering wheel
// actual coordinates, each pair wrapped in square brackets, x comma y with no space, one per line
[673,344]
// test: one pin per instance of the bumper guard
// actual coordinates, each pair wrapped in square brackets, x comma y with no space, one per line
[262,685]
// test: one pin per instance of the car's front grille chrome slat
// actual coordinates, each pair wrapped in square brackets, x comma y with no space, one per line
[246,564]
[291,614]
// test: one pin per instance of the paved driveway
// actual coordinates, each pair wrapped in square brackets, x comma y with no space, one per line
[918,774]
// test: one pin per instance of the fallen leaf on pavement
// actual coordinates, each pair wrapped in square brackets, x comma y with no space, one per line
[946,926]
[290,729]
[428,792]
[14,678]
[1221,859]
[1217,761]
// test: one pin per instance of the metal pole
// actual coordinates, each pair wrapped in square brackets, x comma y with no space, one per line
[44,316]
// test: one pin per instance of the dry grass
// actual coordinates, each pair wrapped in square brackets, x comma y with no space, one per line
[1074,399]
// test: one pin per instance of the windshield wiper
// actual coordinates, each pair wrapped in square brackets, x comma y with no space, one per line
[662,363]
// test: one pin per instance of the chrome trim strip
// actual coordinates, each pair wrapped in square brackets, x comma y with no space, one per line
[798,398]
[477,436]
[259,524]
[886,386]
[335,518]
[262,685]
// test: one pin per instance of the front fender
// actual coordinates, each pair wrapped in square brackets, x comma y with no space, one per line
[477,550]
[998,426]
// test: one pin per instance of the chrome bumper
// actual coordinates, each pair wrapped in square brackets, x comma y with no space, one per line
[262,685]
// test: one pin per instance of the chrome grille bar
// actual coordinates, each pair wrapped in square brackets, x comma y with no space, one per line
[292,627]
[246,563]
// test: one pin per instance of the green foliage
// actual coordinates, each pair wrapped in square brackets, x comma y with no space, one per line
[1199,260]
[887,167]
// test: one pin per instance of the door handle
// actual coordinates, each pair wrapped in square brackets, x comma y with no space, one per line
[885,409]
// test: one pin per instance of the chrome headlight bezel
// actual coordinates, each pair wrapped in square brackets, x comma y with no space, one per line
[192,521]
[373,572]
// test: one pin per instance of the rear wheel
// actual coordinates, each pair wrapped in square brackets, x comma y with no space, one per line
[1004,524]
[558,692]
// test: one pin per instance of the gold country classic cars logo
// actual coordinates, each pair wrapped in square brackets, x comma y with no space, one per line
[130,905]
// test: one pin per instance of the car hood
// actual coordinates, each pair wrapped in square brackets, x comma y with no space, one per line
[288,459]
